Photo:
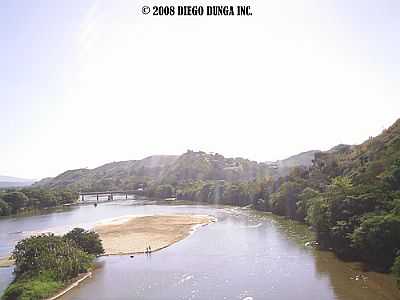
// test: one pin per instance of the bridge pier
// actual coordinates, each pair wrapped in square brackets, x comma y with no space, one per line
[126,196]
[82,198]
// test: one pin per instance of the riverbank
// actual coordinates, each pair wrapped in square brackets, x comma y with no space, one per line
[133,234]
[74,283]
[6,262]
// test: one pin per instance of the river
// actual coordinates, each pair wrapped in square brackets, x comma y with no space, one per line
[244,255]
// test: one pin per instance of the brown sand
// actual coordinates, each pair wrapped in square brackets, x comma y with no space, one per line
[6,262]
[135,234]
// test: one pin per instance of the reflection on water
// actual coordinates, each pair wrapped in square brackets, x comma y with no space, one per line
[245,255]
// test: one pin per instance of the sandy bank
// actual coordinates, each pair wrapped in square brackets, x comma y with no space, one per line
[128,235]
[6,262]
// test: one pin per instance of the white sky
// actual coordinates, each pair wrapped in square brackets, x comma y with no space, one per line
[296,76]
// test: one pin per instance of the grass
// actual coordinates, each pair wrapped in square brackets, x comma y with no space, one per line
[33,288]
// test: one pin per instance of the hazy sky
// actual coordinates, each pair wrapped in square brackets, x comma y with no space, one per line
[83,83]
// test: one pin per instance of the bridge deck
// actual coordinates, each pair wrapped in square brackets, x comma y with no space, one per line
[107,193]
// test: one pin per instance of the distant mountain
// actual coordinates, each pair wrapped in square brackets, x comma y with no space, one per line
[301,159]
[128,174]
[8,181]
[212,166]
[283,167]
[171,169]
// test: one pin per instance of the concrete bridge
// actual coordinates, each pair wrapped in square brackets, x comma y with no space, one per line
[110,194]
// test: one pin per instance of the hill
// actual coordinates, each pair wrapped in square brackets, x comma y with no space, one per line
[116,175]
[192,166]
[283,167]
[171,169]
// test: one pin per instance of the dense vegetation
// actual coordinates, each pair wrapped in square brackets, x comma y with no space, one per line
[15,201]
[46,263]
[350,196]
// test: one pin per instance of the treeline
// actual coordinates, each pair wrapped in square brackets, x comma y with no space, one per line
[15,201]
[220,192]
[46,263]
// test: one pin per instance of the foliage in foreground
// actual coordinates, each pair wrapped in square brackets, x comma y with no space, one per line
[33,288]
[45,263]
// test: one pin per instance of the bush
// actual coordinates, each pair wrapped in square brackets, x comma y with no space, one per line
[88,241]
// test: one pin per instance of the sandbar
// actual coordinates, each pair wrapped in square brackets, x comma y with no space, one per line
[6,262]
[132,235]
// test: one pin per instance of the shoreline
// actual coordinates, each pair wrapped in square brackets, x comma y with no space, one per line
[72,285]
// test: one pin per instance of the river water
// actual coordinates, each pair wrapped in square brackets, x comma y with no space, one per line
[244,255]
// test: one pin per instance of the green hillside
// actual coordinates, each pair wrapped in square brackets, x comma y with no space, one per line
[159,169]
[350,196]
[116,175]
[171,169]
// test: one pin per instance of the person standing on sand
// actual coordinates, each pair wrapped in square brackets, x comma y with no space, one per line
[149,249]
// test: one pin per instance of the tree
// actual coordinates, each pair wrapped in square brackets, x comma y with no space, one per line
[318,218]
[43,265]
[305,199]
[5,209]
[164,191]
[16,200]
[284,201]
[67,197]
[88,241]
[378,240]
[54,254]
[393,178]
